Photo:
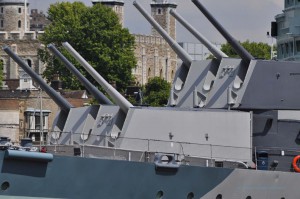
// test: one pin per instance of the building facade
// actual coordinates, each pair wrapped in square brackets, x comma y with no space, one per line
[286,30]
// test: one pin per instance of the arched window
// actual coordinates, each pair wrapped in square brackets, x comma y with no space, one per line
[161,73]
[159,11]
[19,24]
[29,62]
[172,74]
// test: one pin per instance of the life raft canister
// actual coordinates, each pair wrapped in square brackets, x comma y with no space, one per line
[295,166]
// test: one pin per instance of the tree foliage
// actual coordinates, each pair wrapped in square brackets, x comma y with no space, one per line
[156,92]
[257,50]
[95,32]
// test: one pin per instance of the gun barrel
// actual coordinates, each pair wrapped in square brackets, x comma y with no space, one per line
[100,97]
[59,100]
[184,56]
[212,48]
[116,96]
[240,50]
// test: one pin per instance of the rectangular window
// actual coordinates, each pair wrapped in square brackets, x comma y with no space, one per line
[38,122]
[298,45]
[292,47]
[20,10]
[1,23]
[1,10]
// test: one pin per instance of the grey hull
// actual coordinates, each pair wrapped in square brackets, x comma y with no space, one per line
[76,177]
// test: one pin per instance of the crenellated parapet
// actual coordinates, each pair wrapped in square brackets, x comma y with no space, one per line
[18,35]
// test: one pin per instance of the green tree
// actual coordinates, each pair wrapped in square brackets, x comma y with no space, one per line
[156,92]
[95,32]
[257,50]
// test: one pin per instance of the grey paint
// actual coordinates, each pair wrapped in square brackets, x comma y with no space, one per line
[270,85]
[77,178]
[75,124]
[201,77]
[108,123]
[228,132]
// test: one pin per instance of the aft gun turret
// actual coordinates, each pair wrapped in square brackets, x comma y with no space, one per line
[212,48]
[182,54]
[115,95]
[100,97]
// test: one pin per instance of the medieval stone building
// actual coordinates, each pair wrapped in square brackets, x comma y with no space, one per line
[154,55]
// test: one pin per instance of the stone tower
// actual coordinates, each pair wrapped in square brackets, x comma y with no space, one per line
[116,6]
[14,16]
[160,12]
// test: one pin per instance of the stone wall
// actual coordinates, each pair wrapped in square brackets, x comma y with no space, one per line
[154,58]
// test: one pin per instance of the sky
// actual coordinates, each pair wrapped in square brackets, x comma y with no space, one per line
[243,19]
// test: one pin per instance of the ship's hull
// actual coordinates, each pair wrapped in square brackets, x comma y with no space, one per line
[76,177]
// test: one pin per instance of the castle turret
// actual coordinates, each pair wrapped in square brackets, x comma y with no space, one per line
[115,5]
[14,16]
[160,12]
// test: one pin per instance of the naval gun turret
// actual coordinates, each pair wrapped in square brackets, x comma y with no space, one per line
[99,122]
[81,119]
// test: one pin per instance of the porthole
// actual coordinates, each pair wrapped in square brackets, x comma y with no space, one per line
[159,195]
[190,195]
[4,186]
[249,197]
[219,196]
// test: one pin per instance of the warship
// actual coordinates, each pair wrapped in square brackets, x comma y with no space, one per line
[230,130]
